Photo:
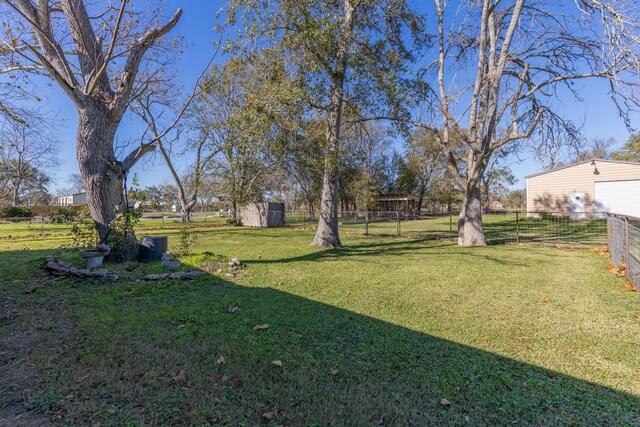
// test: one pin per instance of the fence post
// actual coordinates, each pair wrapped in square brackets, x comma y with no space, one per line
[517,227]
[366,223]
[626,245]
[398,223]
[41,225]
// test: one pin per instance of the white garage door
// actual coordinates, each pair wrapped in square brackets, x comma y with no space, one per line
[621,197]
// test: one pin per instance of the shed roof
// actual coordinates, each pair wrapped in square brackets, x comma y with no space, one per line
[397,197]
[581,163]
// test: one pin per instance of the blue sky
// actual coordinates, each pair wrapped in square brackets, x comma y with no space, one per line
[196,27]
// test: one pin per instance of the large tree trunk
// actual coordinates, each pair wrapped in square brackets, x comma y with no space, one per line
[470,231]
[101,172]
[327,233]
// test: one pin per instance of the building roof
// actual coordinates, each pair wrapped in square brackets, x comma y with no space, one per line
[71,195]
[581,163]
[397,197]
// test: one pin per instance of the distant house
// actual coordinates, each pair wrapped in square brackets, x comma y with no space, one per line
[590,186]
[72,200]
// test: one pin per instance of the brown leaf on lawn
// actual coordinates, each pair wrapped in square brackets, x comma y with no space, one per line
[221,361]
[269,415]
[629,288]
[181,377]
[180,326]
[546,299]
[445,402]
[277,363]
[261,327]
[333,372]
[217,376]
[30,290]
[638,320]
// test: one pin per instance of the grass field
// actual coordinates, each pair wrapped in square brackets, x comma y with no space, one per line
[376,333]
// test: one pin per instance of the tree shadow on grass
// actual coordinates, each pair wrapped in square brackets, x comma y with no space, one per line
[151,354]
[395,247]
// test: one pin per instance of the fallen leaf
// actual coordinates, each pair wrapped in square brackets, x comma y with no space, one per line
[638,320]
[30,290]
[180,326]
[233,309]
[217,401]
[181,377]
[333,372]
[277,363]
[221,361]
[269,415]
[261,327]
[445,402]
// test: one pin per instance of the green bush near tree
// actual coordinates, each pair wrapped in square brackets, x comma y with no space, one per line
[17,212]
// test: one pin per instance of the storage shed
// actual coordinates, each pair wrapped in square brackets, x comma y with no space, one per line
[262,215]
[398,202]
[592,186]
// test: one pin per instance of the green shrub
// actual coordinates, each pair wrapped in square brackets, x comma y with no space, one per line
[62,215]
[186,242]
[17,212]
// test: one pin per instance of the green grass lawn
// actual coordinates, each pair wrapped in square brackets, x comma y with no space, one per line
[376,333]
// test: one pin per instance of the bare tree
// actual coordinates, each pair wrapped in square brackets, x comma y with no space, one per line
[27,152]
[167,142]
[97,57]
[525,55]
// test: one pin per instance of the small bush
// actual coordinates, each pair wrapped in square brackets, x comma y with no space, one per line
[187,240]
[62,215]
[83,232]
[17,212]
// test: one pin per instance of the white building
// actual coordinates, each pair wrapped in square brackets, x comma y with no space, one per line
[72,200]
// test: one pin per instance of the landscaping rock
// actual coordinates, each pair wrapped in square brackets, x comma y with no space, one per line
[61,268]
[234,264]
[178,275]
[170,262]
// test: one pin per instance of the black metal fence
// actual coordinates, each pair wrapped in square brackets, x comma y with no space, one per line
[623,235]
[587,229]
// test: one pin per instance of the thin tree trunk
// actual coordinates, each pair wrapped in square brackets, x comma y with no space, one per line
[234,211]
[16,193]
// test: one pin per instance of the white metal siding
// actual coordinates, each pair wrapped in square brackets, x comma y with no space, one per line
[621,197]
